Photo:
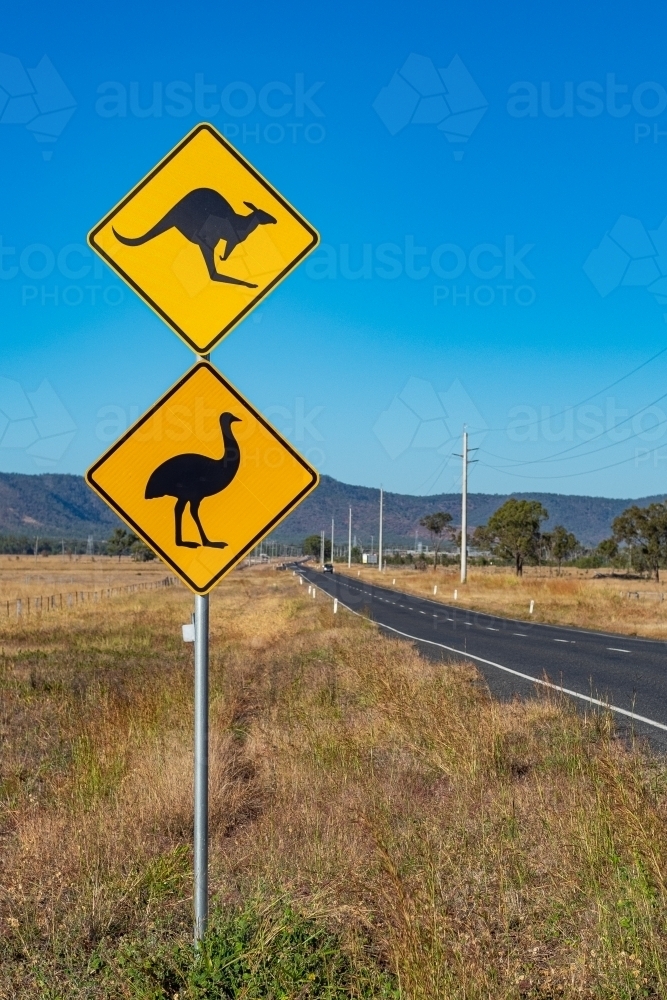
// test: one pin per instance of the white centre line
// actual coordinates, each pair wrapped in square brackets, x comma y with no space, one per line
[617,649]
[524,634]
[562,640]
[489,628]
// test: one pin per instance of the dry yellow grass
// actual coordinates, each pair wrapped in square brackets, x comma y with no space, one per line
[468,849]
[569,599]
[29,576]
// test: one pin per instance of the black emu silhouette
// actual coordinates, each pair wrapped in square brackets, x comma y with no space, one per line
[191,478]
[204,217]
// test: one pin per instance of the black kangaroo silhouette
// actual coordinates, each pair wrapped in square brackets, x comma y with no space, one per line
[192,477]
[204,217]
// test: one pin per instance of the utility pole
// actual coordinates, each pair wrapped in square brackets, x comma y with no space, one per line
[464,506]
[464,511]
[380,535]
[332,539]
[349,540]
[322,549]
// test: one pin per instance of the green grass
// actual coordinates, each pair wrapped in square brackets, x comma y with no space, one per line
[264,950]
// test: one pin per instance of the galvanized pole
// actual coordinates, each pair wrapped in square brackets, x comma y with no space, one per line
[332,539]
[201,766]
[349,541]
[464,511]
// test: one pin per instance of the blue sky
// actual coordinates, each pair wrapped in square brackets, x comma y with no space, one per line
[498,261]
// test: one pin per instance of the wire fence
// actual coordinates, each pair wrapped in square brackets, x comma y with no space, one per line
[655,595]
[20,606]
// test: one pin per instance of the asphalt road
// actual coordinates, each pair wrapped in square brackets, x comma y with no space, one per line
[626,674]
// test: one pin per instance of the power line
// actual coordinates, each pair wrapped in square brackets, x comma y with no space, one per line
[564,475]
[484,430]
[572,458]
[565,451]
[435,476]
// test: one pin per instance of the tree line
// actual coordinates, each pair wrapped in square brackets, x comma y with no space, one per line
[513,534]
[121,542]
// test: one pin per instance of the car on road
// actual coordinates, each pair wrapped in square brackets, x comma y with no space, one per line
[328,568]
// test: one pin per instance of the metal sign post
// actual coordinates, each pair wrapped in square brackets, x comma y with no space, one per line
[201,766]
[149,477]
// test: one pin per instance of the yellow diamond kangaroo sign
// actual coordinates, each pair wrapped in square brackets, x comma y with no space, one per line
[202,477]
[203,238]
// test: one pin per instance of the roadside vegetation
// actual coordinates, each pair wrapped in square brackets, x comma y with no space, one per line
[514,536]
[26,577]
[121,542]
[559,585]
[380,827]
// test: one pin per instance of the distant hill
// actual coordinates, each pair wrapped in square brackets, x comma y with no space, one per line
[589,518]
[60,506]
[52,505]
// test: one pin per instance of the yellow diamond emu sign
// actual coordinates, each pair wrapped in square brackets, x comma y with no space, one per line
[203,238]
[202,477]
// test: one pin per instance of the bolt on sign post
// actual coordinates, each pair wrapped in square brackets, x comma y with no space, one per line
[202,477]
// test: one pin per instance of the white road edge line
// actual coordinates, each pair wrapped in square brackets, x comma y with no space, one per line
[509,670]
[617,649]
